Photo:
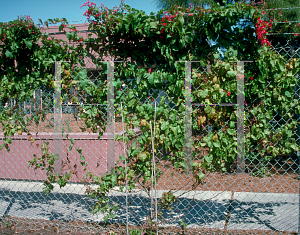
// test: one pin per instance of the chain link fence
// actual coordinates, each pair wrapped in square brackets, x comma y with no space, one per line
[226,201]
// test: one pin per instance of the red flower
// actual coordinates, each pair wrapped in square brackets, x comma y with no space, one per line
[64,25]
[172,34]
[80,40]
[162,30]
[228,93]
[261,30]
[30,27]
[149,70]
[251,78]
[164,24]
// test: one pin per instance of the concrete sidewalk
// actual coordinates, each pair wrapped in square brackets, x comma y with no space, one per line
[205,209]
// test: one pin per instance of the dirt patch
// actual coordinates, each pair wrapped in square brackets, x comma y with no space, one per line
[173,179]
[78,227]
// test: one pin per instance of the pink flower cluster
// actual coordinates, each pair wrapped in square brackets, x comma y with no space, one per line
[191,5]
[88,3]
[88,13]
[169,18]
[115,10]
[261,26]
[228,93]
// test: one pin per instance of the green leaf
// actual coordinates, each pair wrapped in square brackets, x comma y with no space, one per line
[288,94]
[142,156]
[146,178]
[105,218]
[164,126]
[9,54]
[153,25]
[203,93]
[231,131]
[200,176]
[138,78]
[79,150]
[208,158]
[281,67]
[81,158]
[208,109]
[188,39]
[232,124]
[294,147]
[82,74]
[217,144]
[130,174]
[232,117]
[28,43]
[151,79]
[230,74]
[60,28]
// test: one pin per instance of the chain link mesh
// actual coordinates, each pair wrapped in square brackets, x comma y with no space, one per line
[223,201]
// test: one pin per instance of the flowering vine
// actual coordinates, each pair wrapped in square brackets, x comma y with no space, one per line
[261,29]
[169,131]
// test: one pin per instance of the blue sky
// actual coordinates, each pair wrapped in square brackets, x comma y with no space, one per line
[69,9]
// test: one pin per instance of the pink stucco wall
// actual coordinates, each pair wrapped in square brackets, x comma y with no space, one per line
[53,30]
[15,162]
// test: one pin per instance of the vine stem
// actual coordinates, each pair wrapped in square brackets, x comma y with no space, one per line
[125,172]
[153,166]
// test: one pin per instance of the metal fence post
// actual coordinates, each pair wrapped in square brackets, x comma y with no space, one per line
[110,118]
[57,138]
[188,118]
[240,101]
[57,141]
[240,117]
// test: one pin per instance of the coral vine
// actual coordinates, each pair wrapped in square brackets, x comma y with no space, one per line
[261,29]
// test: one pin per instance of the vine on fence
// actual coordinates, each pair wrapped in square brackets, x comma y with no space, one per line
[154,44]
